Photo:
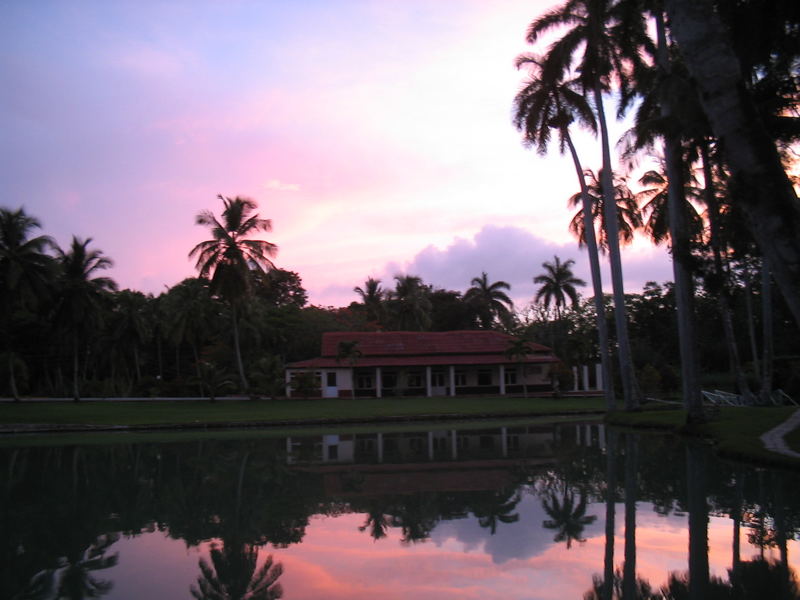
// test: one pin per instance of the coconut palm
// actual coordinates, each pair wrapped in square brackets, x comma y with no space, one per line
[628,215]
[411,303]
[558,284]
[81,296]
[652,199]
[372,296]
[543,105]
[25,270]
[567,518]
[232,575]
[230,258]
[489,301]
[605,37]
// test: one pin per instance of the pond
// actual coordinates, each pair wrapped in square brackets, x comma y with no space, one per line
[524,511]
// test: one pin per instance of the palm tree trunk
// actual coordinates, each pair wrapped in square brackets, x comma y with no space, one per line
[767,194]
[239,364]
[629,387]
[611,491]
[631,485]
[768,339]
[723,291]
[75,393]
[698,521]
[679,235]
[197,368]
[597,281]
[11,376]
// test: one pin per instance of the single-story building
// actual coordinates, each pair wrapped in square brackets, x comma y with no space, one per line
[408,363]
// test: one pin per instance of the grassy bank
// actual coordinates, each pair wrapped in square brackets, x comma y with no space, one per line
[266,412]
[735,431]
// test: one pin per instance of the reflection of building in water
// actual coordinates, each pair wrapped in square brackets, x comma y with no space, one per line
[445,459]
[525,441]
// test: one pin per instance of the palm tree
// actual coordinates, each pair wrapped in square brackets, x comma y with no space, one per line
[230,258]
[567,518]
[493,508]
[558,283]
[411,302]
[234,575]
[372,296]
[81,296]
[769,198]
[628,216]
[489,300]
[607,35]
[654,208]
[25,270]
[541,106]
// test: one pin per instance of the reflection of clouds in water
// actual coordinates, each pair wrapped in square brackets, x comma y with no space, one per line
[525,539]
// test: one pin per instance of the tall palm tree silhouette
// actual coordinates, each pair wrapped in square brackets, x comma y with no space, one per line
[81,295]
[488,300]
[230,258]
[25,270]
[558,284]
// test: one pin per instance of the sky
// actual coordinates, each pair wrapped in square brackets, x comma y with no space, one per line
[375,134]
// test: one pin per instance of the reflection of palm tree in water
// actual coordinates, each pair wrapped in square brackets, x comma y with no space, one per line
[73,579]
[377,521]
[234,576]
[495,508]
[567,518]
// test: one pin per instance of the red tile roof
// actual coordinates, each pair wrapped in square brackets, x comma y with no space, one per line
[410,348]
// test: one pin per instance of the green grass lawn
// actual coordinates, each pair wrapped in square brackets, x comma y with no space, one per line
[735,431]
[267,411]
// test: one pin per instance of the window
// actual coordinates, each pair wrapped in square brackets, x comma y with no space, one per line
[330,379]
[364,382]
[414,380]
[461,378]
[389,380]
[333,452]
[511,376]
[437,379]
[484,377]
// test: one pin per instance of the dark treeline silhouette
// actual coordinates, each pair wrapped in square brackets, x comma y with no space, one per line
[67,330]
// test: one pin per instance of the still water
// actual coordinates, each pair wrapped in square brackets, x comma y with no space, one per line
[525,511]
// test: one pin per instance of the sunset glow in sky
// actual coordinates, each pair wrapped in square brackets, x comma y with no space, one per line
[375,134]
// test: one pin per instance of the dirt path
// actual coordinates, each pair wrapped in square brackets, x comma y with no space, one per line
[773,440]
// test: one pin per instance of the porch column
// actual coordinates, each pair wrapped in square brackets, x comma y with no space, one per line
[380,447]
[430,445]
[502,380]
[598,371]
[575,387]
[586,377]
[452,370]
[428,391]
[453,444]
[504,441]
[378,382]
[288,384]
[601,433]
